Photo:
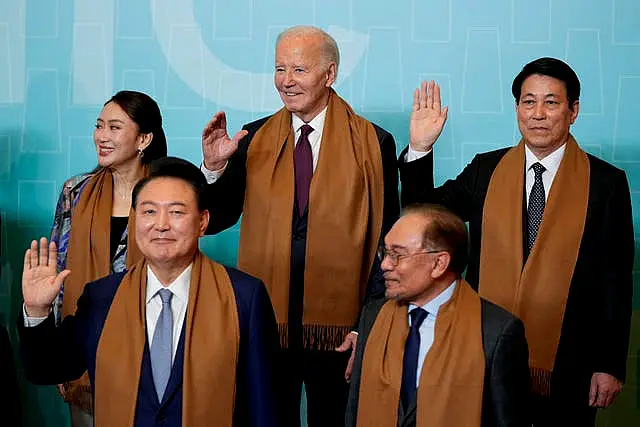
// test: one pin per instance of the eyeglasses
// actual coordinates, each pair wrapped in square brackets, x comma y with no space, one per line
[395,257]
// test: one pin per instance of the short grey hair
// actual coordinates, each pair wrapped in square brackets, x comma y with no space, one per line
[330,51]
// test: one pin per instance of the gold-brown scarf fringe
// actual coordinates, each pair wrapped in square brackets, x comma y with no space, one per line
[540,381]
[316,337]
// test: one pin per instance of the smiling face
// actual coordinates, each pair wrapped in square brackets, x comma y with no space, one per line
[544,114]
[117,137]
[168,222]
[302,76]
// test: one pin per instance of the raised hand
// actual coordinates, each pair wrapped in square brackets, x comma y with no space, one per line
[427,116]
[40,283]
[217,147]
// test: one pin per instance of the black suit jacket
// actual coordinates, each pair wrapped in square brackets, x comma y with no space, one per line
[506,384]
[76,340]
[225,197]
[596,326]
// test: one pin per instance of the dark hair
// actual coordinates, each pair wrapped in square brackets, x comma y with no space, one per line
[551,67]
[174,167]
[444,231]
[144,111]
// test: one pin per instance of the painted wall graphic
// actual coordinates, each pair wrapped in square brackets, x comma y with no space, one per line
[60,60]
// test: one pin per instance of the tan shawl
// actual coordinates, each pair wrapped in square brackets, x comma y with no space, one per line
[88,258]
[212,338]
[344,223]
[452,378]
[537,292]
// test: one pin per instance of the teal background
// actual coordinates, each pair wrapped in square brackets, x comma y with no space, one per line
[61,59]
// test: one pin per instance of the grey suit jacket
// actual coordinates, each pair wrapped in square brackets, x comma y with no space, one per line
[507,381]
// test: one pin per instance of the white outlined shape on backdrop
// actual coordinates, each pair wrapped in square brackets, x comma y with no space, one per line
[168,15]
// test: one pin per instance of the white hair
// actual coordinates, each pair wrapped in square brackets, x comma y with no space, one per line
[330,52]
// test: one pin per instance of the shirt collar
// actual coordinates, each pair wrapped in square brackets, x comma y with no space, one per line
[179,287]
[551,163]
[316,123]
[433,306]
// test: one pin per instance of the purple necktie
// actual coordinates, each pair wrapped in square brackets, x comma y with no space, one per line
[303,164]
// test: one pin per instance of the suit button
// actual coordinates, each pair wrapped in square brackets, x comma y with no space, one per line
[161,419]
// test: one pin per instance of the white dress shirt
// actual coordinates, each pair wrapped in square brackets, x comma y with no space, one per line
[551,164]
[315,137]
[180,290]
[427,329]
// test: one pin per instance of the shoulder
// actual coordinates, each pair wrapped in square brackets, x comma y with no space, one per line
[255,125]
[491,157]
[604,170]
[496,320]
[382,133]
[104,288]
[244,285]
[76,182]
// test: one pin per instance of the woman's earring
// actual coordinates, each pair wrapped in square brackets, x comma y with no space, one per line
[140,152]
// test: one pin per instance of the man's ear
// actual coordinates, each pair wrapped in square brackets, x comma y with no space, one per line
[332,72]
[204,222]
[441,264]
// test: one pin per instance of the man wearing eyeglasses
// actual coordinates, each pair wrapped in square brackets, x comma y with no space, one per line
[433,350]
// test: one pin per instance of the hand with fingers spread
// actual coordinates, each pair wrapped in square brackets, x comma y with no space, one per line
[40,283]
[427,116]
[217,147]
[604,390]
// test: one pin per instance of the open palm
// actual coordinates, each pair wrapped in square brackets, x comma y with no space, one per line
[427,117]
[40,283]
[217,147]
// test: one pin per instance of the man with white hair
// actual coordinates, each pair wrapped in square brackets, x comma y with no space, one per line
[317,187]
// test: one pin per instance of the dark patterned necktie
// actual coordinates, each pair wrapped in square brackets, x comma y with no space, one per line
[303,165]
[410,361]
[536,205]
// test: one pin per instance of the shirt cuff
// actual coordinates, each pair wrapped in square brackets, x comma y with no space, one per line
[212,176]
[30,322]
[413,155]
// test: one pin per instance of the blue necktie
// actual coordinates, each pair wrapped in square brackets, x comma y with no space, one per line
[162,345]
[536,205]
[410,363]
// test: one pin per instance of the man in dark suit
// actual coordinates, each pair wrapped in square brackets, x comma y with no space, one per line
[551,240]
[10,407]
[176,340]
[463,361]
[317,186]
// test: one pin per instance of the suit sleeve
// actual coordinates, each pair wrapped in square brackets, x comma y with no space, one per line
[10,404]
[224,199]
[391,211]
[53,354]
[261,356]
[461,194]
[616,288]
[510,381]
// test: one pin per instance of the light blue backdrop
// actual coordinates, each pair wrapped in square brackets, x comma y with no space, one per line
[60,60]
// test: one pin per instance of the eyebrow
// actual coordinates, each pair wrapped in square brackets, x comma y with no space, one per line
[110,121]
[151,202]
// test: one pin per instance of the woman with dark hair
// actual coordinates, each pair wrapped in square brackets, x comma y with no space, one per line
[91,229]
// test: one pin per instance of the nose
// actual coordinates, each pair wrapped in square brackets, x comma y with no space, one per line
[386,264]
[539,111]
[288,80]
[99,135]
[162,221]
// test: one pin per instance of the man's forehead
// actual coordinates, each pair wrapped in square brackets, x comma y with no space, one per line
[166,190]
[406,232]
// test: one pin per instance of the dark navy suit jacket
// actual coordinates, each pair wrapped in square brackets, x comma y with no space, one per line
[53,355]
